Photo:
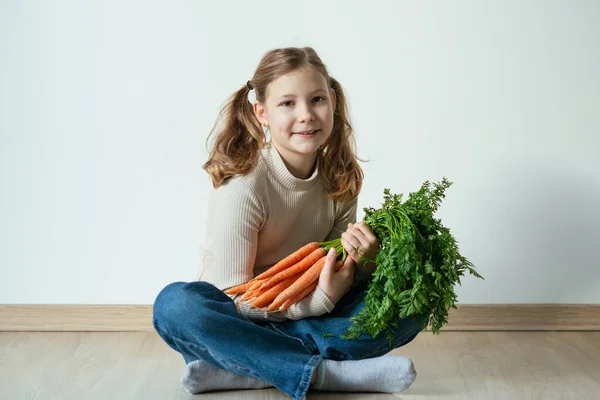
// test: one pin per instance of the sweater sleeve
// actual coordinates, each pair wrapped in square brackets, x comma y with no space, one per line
[235,217]
[314,304]
[345,213]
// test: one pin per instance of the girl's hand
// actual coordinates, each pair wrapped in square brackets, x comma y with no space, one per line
[336,284]
[359,240]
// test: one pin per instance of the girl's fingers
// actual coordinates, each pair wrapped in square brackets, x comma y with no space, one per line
[363,233]
[348,263]
[351,249]
[353,241]
[348,267]
[329,267]
[331,256]
[360,236]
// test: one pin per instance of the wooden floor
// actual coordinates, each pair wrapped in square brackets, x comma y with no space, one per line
[454,365]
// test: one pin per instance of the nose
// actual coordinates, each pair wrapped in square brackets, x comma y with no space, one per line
[305,114]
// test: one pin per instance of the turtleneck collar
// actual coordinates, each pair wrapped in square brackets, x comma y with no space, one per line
[280,172]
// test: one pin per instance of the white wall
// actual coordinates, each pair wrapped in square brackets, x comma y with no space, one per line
[105,108]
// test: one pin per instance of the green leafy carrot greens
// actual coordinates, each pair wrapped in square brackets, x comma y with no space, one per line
[417,266]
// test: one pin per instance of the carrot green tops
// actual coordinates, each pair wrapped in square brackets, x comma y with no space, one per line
[255,220]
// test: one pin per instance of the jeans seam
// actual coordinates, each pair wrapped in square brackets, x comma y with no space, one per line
[310,349]
[309,370]
[161,332]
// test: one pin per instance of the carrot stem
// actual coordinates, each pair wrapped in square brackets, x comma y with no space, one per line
[337,245]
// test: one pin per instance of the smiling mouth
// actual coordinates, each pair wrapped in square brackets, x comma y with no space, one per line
[307,133]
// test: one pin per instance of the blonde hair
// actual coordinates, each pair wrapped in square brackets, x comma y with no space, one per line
[241,137]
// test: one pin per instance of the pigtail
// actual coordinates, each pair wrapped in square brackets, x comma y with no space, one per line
[238,141]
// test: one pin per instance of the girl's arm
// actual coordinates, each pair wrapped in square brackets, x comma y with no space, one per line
[314,304]
[235,216]
[234,219]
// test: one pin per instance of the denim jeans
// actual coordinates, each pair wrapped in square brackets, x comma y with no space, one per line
[199,321]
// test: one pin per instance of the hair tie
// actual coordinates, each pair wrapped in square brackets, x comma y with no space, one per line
[249,85]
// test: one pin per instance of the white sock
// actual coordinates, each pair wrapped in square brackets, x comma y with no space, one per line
[200,376]
[388,374]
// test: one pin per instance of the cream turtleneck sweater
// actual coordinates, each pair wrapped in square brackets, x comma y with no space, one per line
[257,219]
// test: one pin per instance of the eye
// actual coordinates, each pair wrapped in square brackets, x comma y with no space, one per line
[319,97]
[286,103]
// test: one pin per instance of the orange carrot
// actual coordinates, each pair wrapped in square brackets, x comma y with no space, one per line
[260,290]
[298,297]
[300,266]
[308,277]
[249,294]
[289,260]
[238,289]
[270,294]
[306,291]
[255,283]
[244,287]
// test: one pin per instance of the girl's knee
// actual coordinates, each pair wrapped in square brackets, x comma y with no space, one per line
[179,301]
[178,292]
[410,329]
[421,323]
[167,302]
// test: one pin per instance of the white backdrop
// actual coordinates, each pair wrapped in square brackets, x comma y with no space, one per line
[106,106]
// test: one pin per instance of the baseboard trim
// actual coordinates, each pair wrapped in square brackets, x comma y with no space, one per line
[467,317]
[524,317]
[62,317]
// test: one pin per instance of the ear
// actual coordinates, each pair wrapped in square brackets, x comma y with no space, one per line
[261,113]
[333,98]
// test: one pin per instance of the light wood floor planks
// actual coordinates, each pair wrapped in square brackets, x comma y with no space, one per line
[454,365]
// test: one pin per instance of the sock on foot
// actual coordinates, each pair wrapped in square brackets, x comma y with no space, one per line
[200,376]
[388,374]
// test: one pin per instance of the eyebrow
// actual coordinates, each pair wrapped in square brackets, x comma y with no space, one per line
[293,95]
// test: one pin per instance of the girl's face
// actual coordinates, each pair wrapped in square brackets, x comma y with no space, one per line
[299,113]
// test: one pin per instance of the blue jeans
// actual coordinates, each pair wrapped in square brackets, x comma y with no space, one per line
[199,321]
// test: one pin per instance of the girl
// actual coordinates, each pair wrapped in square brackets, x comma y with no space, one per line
[271,198]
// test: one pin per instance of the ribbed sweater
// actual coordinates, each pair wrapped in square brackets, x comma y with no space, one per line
[255,220]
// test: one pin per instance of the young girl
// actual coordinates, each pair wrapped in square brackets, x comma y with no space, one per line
[271,198]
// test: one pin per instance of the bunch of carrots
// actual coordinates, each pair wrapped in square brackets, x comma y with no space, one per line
[291,279]
[417,267]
